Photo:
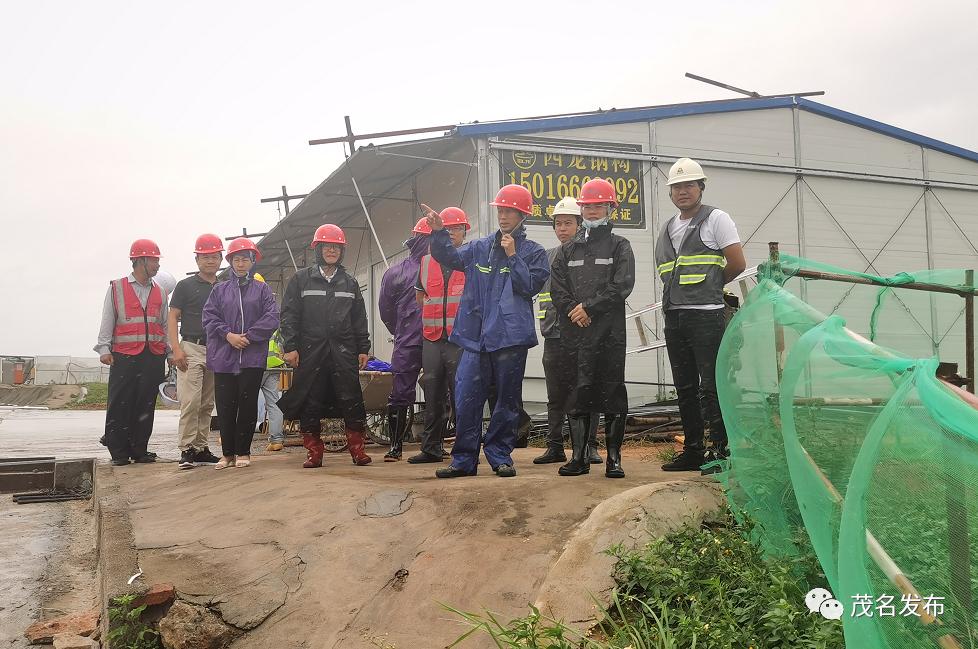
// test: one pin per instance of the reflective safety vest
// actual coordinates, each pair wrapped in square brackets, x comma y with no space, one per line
[135,327]
[440,302]
[275,351]
[694,275]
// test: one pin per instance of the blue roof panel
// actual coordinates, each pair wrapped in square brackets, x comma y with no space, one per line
[525,126]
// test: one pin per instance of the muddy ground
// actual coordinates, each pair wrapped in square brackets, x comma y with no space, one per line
[296,557]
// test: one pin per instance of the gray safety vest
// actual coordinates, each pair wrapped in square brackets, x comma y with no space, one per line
[695,275]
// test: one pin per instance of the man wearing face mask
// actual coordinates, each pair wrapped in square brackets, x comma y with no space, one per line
[697,253]
[401,314]
[494,327]
[593,275]
[132,342]
[325,337]
[195,383]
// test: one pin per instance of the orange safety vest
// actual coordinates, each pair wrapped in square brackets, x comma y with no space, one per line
[440,305]
[136,327]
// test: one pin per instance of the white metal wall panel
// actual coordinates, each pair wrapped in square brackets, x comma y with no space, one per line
[949,168]
[761,136]
[830,144]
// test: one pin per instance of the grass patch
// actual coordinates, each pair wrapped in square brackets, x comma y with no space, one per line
[706,587]
[97,398]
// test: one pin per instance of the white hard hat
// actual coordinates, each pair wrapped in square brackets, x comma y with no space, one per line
[567,205]
[165,281]
[685,170]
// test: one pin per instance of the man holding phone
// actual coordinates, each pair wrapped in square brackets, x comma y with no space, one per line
[494,327]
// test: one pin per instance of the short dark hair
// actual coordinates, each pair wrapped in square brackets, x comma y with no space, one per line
[553,220]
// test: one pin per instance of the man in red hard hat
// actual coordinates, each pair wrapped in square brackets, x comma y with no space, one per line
[132,342]
[401,314]
[195,383]
[439,292]
[325,337]
[593,275]
[494,327]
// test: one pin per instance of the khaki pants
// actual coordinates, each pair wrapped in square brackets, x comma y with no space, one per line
[195,389]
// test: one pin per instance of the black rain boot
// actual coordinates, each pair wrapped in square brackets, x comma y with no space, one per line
[614,435]
[592,442]
[579,426]
[397,418]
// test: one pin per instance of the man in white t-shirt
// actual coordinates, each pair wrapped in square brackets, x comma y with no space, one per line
[697,253]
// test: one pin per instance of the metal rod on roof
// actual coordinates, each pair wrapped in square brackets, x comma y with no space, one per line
[370,136]
[749,93]
[369,220]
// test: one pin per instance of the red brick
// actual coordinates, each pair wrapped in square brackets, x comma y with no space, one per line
[156,595]
[43,632]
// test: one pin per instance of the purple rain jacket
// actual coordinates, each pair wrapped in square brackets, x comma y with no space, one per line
[223,312]
[399,308]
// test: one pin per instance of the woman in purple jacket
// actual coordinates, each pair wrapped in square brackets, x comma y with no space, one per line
[239,318]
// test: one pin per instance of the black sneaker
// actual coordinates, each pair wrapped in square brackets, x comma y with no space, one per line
[506,471]
[552,455]
[145,459]
[187,459]
[424,458]
[688,460]
[205,456]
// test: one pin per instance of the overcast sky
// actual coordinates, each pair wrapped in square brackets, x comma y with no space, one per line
[121,120]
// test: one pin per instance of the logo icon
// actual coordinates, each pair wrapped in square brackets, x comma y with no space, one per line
[820,600]
[524,160]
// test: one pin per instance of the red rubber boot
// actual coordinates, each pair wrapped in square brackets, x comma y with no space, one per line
[314,450]
[356,443]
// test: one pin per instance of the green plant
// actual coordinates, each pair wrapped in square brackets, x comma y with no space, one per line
[706,587]
[126,627]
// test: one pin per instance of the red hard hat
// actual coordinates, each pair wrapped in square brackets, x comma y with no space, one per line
[515,196]
[455,216]
[597,190]
[422,227]
[144,248]
[328,233]
[208,243]
[243,244]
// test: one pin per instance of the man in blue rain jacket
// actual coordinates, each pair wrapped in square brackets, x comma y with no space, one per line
[494,327]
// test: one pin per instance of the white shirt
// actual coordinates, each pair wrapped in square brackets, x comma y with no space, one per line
[717,232]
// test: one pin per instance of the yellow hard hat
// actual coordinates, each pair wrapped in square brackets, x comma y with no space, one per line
[259,277]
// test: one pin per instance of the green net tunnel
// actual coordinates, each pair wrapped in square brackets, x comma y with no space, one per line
[844,443]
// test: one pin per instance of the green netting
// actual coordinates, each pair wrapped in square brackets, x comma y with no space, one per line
[858,449]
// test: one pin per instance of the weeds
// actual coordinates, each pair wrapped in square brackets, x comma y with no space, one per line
[126,628]
[704,588]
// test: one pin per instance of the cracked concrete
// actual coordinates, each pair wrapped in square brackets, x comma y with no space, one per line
[289,555]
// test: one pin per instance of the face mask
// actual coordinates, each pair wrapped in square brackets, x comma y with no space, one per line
[590,225]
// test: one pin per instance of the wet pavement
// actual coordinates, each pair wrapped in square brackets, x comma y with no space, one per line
[74,433]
